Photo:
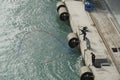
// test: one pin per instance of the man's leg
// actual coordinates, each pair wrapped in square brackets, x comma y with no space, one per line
[84,36]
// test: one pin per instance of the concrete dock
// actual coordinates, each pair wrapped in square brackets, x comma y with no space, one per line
[103,39]
[109,34]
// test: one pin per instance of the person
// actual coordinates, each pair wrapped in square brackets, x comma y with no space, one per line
[93,58]
[84,30]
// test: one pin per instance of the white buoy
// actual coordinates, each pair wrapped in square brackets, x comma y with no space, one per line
[62,11]
[86,74]
[73,40]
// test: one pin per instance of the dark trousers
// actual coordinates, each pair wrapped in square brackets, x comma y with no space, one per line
[93,61]
[84,36]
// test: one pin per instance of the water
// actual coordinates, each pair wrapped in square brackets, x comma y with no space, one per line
[33,43]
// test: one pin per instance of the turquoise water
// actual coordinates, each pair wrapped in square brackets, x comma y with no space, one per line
[33,43]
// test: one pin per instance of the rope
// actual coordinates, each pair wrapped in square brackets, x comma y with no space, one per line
[49,33]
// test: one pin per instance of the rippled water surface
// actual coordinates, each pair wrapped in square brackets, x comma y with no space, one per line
[33,43]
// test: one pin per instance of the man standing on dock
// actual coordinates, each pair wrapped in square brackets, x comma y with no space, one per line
[84,30]
[93,58]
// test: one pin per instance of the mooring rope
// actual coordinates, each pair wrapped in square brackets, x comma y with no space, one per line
[49,33]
